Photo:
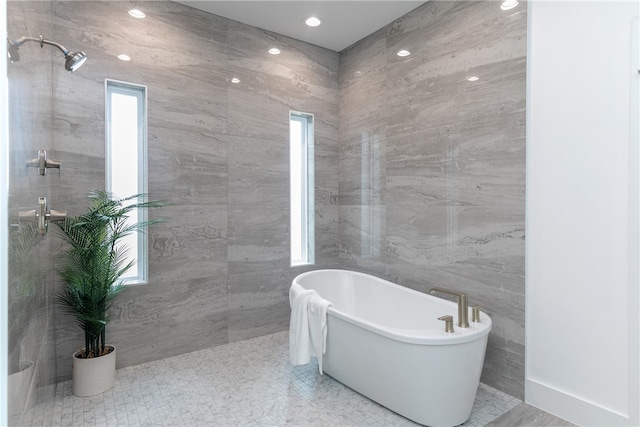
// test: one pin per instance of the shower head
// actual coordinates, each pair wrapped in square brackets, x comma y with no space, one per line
[74,60]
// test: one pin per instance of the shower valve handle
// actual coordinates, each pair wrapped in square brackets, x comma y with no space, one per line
[42,216]
[42,163]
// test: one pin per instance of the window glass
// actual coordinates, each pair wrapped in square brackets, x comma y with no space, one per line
[301,188]
[126,160]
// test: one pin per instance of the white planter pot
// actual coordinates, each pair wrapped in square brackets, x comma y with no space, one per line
[21,388]
[93,376]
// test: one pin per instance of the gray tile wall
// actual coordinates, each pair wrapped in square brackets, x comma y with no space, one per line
[218,152]
[432,166]
[303,78]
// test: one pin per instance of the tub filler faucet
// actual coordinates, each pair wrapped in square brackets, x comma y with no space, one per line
[463,305]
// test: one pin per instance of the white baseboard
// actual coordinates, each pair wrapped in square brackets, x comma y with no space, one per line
[572,408]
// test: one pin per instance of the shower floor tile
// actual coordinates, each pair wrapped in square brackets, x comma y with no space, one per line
[247,383]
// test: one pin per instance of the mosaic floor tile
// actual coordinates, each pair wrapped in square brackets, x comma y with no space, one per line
[248,383]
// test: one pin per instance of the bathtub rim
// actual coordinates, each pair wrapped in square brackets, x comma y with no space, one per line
[410,336]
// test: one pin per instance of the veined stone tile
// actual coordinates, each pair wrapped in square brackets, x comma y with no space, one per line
[257,226]
[364,60]
[258,276]
[482,183]
[362,233]
[258,171]
[363,168]
[187,168]
[486,104]
[457,36]
[363,89]
[253,111]
[174,242]
[325,172]
[303,77]
[253,318]
[448,234]
[248,47]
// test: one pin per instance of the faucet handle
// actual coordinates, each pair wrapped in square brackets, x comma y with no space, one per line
[475,313]
[448,323]
[42,163]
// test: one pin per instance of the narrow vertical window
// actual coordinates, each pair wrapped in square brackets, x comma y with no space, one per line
[126,160]
[301,188]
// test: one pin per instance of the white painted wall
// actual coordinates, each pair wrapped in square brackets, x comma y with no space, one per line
[582,211]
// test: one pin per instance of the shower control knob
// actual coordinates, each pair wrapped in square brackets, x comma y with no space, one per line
[42,216]
[42,163]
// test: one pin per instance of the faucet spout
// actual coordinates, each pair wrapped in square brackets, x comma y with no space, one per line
[463,304]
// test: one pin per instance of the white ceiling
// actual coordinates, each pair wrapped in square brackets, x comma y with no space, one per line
[345,22]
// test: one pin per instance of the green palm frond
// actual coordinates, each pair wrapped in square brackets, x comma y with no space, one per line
[94,263]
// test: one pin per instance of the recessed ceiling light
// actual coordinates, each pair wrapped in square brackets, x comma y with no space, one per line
[473,78]
[403,52]
[137,13]
[508,4]
[124,57]
[313,21]
[274,51]
[235,80]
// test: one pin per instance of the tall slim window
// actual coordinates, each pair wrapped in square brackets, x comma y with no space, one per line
[301,188]
[126,160]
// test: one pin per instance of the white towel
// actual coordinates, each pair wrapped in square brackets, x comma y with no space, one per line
[308,326]
[299,340]
[317,310]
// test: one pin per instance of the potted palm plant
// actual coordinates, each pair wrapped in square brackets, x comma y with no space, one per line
[91,269]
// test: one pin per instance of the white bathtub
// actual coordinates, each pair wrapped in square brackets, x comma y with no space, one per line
[385,341]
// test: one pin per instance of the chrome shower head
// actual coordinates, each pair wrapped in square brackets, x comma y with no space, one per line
[74,60]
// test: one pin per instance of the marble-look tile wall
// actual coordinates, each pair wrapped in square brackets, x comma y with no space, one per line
[432,166]
[302,78]
[218,153]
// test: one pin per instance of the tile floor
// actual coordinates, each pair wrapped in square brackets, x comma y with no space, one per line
[248,383]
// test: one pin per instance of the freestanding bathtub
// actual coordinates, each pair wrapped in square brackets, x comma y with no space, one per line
[385,341]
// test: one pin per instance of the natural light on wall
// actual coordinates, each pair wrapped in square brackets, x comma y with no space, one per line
[126,160]
[301,188]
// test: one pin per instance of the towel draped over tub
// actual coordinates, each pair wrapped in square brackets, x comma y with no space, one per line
[308,326]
